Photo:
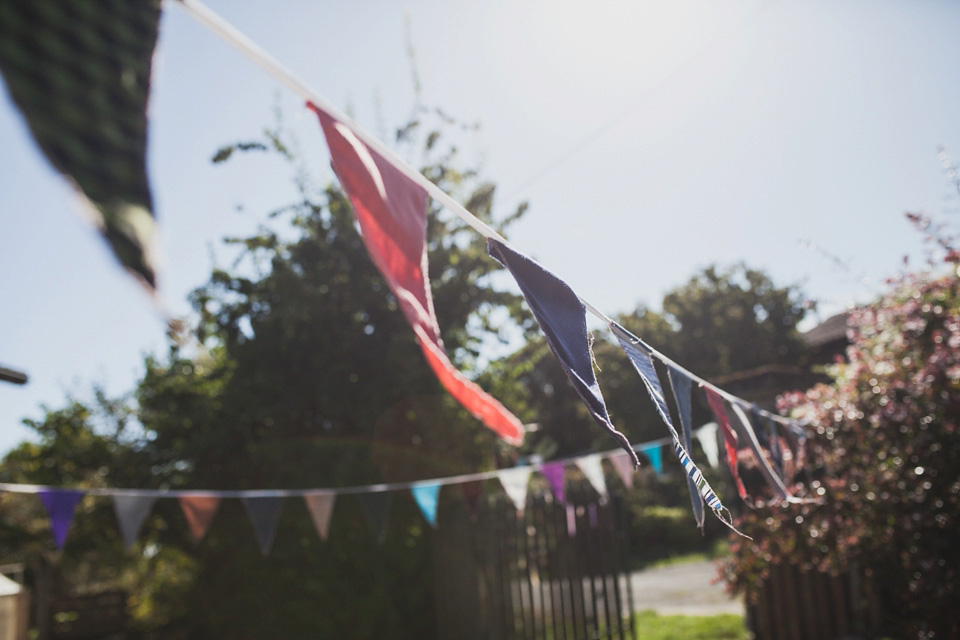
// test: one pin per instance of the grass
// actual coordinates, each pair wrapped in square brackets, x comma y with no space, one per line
[651,626]
[720,549]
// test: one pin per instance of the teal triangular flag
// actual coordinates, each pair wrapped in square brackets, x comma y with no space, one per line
[652,451]
[427,496]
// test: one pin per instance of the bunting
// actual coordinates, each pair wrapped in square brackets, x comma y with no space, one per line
[132,506]
[61,505]
[131,511]
[515,483]
[90,63]
[698,487]
[472,490]
[655,456]
[391,210]
[555,473]
[563,320]
[376,509]
[767,435]
[707,437]
[623,465]
[80,74]
[199,510]
[746,432]
[264,512]
[593,471]
[427,497]
[320,506]
[681,386]
[729,436]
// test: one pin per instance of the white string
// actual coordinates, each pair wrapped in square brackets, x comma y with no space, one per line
[286,493]
[269,64]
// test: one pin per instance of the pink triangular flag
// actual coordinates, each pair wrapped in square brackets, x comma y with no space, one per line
[623,465]
[199,510]
[320,506]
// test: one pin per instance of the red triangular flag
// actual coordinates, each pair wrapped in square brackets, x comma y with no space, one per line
[472,491]
[729,437]
[392,212]
[199,510]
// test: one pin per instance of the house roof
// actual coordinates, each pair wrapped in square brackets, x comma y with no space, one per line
[832,329]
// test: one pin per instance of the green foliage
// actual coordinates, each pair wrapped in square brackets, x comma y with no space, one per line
[733,320]
[301,372]
[885,453]
[651,626]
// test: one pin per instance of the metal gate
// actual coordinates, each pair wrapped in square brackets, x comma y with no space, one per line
[557,570]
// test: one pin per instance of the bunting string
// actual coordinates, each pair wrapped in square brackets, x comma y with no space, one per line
[352,490]
[268,63]
[561,318]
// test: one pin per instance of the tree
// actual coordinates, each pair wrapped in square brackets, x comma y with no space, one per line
[301,372]
[884,446]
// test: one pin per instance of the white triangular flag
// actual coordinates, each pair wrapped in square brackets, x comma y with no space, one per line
[593,470]
[707,435]
[515,482]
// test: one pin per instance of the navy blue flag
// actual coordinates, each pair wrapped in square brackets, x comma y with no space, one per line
[746,433]
[563,319]
[767,436]
[376,509]
[264,512]
[681,385]
[639,354]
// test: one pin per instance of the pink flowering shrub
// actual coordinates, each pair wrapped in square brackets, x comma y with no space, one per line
[883,464]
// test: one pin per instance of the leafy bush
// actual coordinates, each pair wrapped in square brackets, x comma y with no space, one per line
[884,451]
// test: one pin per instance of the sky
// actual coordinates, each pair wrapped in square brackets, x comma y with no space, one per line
[651,139]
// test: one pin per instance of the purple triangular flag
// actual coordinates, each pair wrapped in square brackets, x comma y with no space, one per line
[376,509]
[563,319]
[555,474]
[132,509]
[61,504]
[264,512]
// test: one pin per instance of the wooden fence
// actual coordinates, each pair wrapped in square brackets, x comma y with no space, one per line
[808,605]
